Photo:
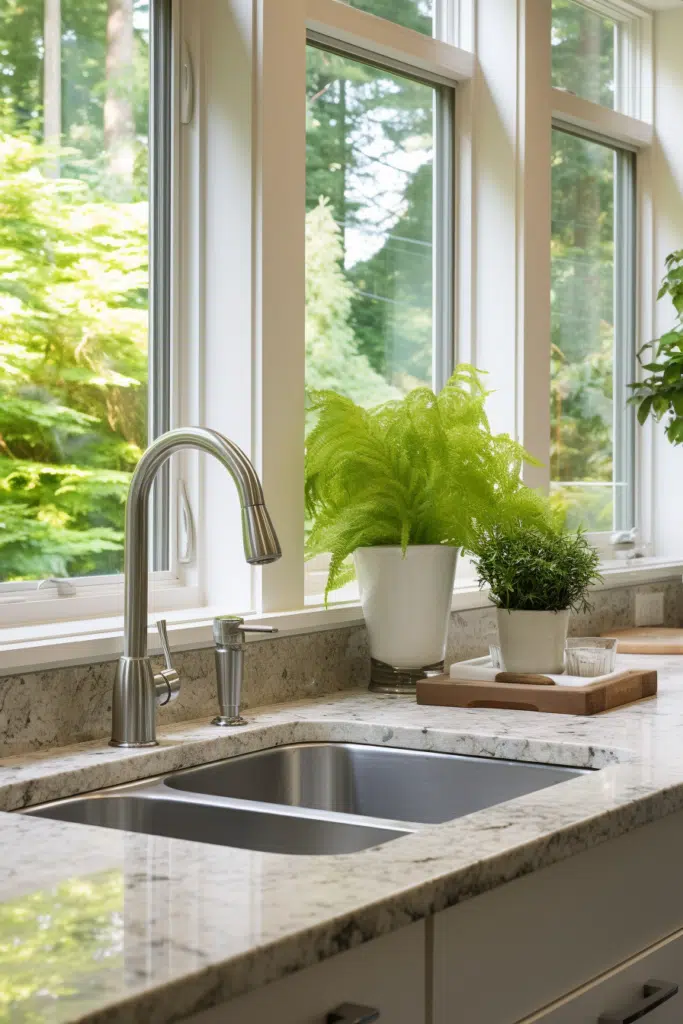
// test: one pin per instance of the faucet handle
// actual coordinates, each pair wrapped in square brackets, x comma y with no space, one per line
[167,682]
[165,645]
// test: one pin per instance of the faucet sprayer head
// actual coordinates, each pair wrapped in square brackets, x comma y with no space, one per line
[261,545]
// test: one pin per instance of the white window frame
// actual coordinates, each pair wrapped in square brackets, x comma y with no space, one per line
[238,312]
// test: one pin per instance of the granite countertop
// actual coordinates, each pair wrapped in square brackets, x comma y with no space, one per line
[100,925]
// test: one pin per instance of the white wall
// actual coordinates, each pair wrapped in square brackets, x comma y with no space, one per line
[667,193]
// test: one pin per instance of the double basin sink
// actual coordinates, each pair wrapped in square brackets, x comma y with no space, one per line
[309,798]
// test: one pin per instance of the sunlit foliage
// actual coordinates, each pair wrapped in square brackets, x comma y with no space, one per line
[73,367]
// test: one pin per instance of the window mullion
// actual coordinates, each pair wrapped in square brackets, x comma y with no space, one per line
[280,290]
[443,205]
[624,338]
[160,263]
[533,264]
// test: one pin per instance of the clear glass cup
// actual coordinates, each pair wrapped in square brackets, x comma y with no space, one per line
[590,655]
[496,657]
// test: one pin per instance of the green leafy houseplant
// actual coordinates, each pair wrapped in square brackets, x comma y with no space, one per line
[528,569]
[661,392]
[422,470]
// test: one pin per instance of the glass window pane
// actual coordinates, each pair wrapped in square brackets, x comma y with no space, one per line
[369,193]
[74,99]
[583,52]
[369,235]
[590,333]
[415,14]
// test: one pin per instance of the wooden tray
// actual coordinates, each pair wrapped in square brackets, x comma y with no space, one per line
[591,699]
[648,640]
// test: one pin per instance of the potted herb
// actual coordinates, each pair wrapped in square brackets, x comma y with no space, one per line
[661,392]
[401,488]
[536,578]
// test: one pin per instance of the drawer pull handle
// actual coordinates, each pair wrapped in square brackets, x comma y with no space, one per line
[654,994]
[350,1013]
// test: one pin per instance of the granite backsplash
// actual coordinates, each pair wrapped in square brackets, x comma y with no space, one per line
[57,707]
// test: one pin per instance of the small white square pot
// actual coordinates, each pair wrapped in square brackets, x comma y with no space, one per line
[406,602]
[532,641]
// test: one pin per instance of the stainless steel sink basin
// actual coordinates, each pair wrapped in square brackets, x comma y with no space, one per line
[206,821]
[312,798]
[378,782]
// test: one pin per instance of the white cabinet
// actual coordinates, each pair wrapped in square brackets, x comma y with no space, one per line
[501,957]
[387,974]
[623,995]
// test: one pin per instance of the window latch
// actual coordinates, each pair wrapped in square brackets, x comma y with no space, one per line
[186,531]
[65,588]
[186,85]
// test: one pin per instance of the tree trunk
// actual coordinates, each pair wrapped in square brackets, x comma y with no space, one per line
[52,81]
[343,161]
[119,129]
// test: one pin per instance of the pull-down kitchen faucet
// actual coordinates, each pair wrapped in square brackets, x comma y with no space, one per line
[137,690]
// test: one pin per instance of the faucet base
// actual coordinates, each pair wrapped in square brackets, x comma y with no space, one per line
[118,743]
[134,702]
[224,720]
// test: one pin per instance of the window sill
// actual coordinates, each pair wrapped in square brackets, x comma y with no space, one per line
[37,648]
[622,573]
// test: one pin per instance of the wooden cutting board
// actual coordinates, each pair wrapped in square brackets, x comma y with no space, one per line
[648,640]
[591,699]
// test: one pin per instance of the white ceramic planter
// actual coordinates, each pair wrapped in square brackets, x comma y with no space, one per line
[532,641]
[406,602]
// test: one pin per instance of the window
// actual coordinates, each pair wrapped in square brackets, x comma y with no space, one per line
[375,320]
[415,14]
[592,357]
[584,48]
[334,224]
[75,186]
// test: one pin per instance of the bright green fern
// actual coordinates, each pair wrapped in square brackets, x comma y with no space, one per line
[422,470]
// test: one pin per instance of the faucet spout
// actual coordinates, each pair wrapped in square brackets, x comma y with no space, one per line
[134,698]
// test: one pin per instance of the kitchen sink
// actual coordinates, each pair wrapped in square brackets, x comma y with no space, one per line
[309,798]
[378,782]
[204,821]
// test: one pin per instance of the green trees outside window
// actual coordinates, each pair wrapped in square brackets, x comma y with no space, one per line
[583,344]
[415,14]
[73,280]
[583,52]
[369,232]
[589,325]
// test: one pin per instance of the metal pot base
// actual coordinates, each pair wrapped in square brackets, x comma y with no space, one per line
[386,679]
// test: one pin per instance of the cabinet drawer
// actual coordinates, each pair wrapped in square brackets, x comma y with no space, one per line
[623,990]
[388,974]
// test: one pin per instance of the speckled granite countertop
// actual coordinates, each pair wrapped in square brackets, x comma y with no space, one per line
[101,925]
